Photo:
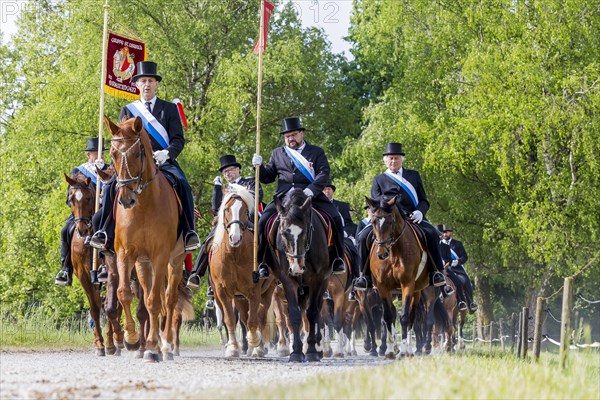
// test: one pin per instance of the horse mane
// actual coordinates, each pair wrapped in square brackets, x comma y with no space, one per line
[292,203]
[248,199]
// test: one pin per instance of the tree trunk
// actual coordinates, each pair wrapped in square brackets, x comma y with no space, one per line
[485,313]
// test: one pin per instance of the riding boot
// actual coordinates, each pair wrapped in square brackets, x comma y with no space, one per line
[100,238]
[338,264]
[65,275]
[433,245]
[263,268]
[200,265]
[365,240]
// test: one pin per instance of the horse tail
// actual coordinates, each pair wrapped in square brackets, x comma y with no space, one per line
[268,333]
[442,320]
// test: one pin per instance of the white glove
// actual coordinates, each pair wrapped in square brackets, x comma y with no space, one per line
[416,216]
[160,156]
[217,181]
[454,263]
[308,192]
[256,160]
[99,163]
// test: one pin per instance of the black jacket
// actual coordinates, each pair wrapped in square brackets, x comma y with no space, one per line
[281,167]
[460,251]
[166,113]
[383,187]
[217,192]
[344,209]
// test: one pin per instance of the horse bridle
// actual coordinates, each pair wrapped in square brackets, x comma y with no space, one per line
[236,221]
[308,242]
[124,163]
[86,219]
[391,240]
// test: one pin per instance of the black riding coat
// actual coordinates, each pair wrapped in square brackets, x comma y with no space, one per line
[383,187]
[344,209]
[460,251]
[217,192]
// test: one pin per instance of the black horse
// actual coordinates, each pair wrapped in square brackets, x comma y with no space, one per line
[302,264]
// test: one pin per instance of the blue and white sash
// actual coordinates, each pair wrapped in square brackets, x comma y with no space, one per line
[453,254]
[301,163]
[151,124]
[406,185]
[89,170]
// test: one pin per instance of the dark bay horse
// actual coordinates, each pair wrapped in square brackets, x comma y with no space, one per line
[81,198]
[147,237]
[398,262]
[302,266]
[231,265]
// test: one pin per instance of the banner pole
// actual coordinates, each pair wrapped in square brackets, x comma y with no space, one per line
[101,119]
[261,45]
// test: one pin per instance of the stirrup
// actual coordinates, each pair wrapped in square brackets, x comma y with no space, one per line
[192,241]
[99,240]
[326,295]
[360,284]
[462,306]
[210,304]
[338,266]
[438,279]
[352,296]
[263,271]
[63,278]
[473,307]
[102,273]
[193,281]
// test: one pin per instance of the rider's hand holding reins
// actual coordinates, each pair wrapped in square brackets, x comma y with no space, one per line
[160,156]
[416,216]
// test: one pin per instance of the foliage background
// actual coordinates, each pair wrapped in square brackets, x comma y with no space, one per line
[495,103]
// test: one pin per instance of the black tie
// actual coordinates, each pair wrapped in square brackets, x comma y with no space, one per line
[149,106]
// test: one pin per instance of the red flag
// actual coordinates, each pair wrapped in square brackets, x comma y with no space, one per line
[181,113]
[268,11]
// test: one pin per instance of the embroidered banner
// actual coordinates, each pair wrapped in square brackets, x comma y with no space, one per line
[122,56]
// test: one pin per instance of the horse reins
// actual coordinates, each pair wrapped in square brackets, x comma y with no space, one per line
[86,219]
[308,241]
[124,163]
[391,240]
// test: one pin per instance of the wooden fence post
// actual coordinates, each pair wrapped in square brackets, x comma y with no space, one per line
[537,335]
[491,334]
[519,339]
[501,333]
[524,332]
[474,333]
[513,331]
[565,326]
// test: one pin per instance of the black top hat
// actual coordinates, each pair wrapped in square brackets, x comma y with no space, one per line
[290,125]
[444,228]
[331,185]
[92,145]
[227,161]
[146,68]
[393,148]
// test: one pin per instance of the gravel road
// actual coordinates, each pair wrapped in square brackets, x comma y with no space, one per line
[196,373]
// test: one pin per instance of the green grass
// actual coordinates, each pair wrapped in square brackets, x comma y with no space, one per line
[40,330]
[468,375]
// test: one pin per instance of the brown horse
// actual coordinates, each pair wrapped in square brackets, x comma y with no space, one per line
[231,266]
[398,261]
[146,236]
[81,199]
[457,320]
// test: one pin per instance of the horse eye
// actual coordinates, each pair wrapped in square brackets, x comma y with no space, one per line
[137,155]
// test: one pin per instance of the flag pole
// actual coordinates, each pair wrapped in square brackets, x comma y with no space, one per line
[101,120]
[261,46]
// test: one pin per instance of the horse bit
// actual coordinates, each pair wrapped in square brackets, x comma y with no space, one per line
[391,241]
[86,219]
[125,163]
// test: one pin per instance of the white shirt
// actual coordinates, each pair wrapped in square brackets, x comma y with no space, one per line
[151,101]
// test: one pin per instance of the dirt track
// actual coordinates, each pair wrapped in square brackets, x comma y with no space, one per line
[195,374]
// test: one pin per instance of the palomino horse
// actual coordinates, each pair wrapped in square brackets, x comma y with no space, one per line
[231,265]
[146,236]
[398,260]
[302,266]
[81,199]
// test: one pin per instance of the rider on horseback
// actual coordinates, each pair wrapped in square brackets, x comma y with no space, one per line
[411,200]
[298,165]
[65,275]
[163,124]
[456,271]
[230,169]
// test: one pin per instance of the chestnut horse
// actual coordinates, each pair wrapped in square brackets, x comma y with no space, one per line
[231,266]
[398,261]
[81,198]
[146,236]
[302,265]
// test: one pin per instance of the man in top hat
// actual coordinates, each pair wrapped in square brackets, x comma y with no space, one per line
[65,275]
[457,256]
[231,171]
[343,208]
[163,124]
[298,165]
[411,199]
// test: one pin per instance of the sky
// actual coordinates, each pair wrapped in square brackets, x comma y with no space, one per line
[331,15]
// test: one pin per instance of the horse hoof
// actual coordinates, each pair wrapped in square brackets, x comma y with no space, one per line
[120,344]
[100,352]
[132,346]
[373,353]
[320,354]
[328,353]
[232,353]
[176,353]
[118,352]
[283,352]
[139,354]
[390,356]
[151,357]
[258,352]
[296,357]
[338,355]
[382,353]
[312,357]
[111,350]
[167,356]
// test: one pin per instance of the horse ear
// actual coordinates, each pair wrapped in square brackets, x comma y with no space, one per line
[103,175]
[111,125]
[137,125]
[370,202]
[279,205]
[69,180]
[391,201]
[306,205]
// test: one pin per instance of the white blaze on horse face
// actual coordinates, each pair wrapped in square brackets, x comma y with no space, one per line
[78,195]
[235,232]
[295,231]
[381,222]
